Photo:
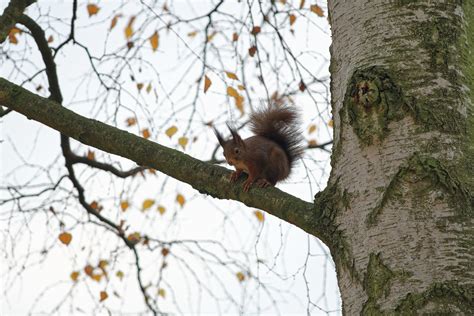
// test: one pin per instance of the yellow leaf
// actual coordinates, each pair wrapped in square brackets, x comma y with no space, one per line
[124,205]
[161,209]
[180,199]
[183,141]
[252,51]
[146,133]
[255,30]
[331,123]
[92,9]
[259,215]
[103,296]
[207,83]
[232,92]
[148,88]
[119,275]
[88,269]
[211,36]
[90,155]
[96,277]
[74,275]
[312,128]
[113,23]
[239,103]
[129,28]
[103,264]
[235,37]
[312,142]
[131,121]
[162,293]
[65,238]
[317,9]
[154,41]
[171,131]
[240,276]
[292,19]
[147,204]
[192,34]
[134,237]
[241,87]
[231,75]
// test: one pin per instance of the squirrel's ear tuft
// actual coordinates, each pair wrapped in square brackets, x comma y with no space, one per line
[219,137]
[237,139]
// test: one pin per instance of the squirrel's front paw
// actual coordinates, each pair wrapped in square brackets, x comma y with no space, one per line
[263,183]
[234,176]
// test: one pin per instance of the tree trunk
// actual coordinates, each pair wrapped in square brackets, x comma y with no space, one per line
[402,95]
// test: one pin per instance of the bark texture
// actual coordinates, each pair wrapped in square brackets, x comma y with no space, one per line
[402,97]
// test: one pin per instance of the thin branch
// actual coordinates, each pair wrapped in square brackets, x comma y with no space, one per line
[10,16]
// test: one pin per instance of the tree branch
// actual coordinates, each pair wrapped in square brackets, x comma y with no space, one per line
[10,16]
[204,177]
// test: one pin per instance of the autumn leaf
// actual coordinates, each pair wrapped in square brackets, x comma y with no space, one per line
[147,204]
[311,129]
[192,34]
[50,39]
[131,121]
[146,133]
[211,36]
[239,103]
[90,155]
[255,30]
[231,75]
[139,86]
[171,131]
[88,269]
[235,37]
[12,35]
[232,92]
[162,293]
[302,4]
[317,9]
[65,238]
[103,263]
[103,296]
[302,86]
[96,277]
[292,19]
[331,123]
[207,83]
[183,141]
[165,252]
[92,9]
[259,215]
[241,87]
[148,88]
[74,275]
[124,205]
[312,142]
[161,209]
[252,51]
[134,237]
[95,205]
[154,41]
[113,23]
[240,276]
[129,28]
[180,199]
[119,275]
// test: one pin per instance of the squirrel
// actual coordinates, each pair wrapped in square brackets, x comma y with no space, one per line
[269,156]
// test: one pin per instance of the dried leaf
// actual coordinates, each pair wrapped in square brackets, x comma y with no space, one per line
[192,34]
[171,131]
[259,215]
[255,30]
[239,103]
[103,296]
[252,51]
[207,83]
[302,86]
[292,19]
[161,209]
[147,204]
[232,92]
[88,269]
[302,4]
[231,75]
[12,35]
[146,133]
[331,123]
[96,277]
[92,9]
[50,39]
[165,252]
[74,275]
[65,238]
[183,141]
[114,21]
[162,293]
[119,275]
[154,41]
[131,121]
[129,28]
[235,37]
[312,142]
[211,36]
[103,263]
[134,237]
[90,155]
[317,9]
[240,276]
[139,86]
[95,205]
[180,199]
[311,129]
[124,205]
[148,88]
[241,87]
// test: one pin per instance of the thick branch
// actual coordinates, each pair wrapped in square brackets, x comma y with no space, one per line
[10,16]
[204,177]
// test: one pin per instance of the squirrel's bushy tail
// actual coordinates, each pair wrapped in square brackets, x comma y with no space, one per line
[281,125]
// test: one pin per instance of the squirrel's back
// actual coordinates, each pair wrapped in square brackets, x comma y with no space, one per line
[281,125]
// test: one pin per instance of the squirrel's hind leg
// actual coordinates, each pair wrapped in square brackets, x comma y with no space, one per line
[264,183]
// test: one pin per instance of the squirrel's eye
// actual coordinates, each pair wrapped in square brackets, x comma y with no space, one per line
[236,150]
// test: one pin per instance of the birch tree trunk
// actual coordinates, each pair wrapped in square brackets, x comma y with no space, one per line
[402,95]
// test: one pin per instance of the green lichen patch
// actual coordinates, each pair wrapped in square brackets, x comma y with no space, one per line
[376,283]
[372,100]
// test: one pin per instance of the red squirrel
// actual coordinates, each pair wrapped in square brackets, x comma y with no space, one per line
[269,156]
